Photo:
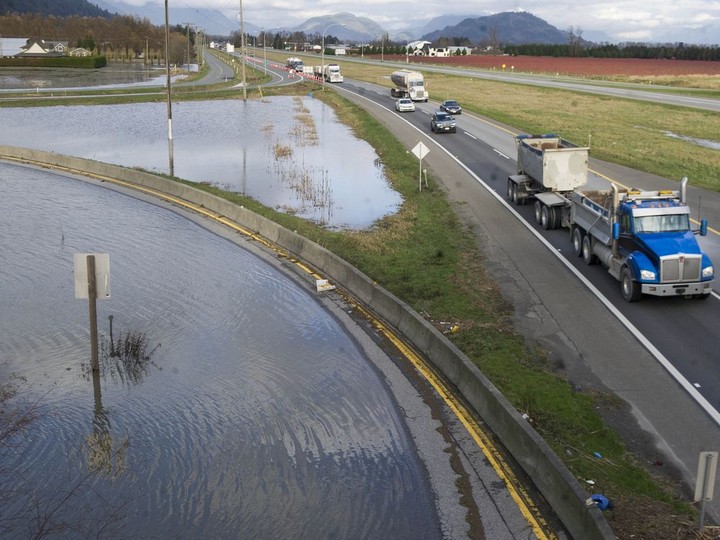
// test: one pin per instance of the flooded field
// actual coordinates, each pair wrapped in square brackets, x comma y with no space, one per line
[289,153]
[114,75]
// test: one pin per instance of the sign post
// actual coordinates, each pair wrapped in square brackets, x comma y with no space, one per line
[705,481]
[92,281]
[420,151]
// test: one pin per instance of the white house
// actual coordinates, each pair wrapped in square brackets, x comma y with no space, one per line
[43,48]
[80,51]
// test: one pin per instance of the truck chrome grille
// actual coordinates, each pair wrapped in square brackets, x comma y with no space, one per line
[680,268]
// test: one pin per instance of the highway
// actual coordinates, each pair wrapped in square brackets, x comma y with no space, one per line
[642,92]
[653,353]
[658,355]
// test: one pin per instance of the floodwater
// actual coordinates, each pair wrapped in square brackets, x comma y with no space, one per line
[289,153]
[114,75]
[256,417]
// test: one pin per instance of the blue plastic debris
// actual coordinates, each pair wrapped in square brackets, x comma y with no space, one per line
[602,502]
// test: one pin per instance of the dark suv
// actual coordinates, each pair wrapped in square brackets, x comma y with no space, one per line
[451,106]
[442,122]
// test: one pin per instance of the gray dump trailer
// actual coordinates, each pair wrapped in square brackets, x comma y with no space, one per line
[643,238]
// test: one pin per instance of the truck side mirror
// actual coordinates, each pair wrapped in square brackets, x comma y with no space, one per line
[703,227]
[616,230]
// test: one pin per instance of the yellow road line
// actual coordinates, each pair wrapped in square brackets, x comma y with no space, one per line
[503,470]
[501,467]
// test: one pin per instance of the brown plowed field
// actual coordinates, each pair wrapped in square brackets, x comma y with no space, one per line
[590,67]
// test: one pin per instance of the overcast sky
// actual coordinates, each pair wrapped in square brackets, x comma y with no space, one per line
[690,21]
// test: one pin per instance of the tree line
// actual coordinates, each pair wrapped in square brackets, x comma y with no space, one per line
[676,51]
[130,36]
[119,36]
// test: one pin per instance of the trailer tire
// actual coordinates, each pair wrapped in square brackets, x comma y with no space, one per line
[588,256]
[557,217]
[701,296]
[509,189]
[538,212]
[515,198]
[577,241]
[546,217]
[630,288]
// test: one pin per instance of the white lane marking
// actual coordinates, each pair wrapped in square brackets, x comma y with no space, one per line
[662,360]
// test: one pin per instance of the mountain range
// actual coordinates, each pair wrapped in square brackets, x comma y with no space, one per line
[515,27]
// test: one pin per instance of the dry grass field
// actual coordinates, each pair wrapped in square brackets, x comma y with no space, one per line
[654,138]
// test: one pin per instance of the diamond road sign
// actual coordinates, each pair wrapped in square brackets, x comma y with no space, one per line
[420,150]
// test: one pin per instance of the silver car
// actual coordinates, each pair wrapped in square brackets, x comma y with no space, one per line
[404,105]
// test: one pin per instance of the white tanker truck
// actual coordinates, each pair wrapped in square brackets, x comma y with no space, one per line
[410,84]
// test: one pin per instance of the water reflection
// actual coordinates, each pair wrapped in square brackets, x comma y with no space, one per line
[289,153]
[264,421]
[114,75]
[713,145]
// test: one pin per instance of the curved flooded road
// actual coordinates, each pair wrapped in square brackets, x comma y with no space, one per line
[257,417]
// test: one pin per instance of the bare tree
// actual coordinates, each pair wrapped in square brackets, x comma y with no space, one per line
[575,41]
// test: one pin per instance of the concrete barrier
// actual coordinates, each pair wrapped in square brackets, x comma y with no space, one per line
[548,473]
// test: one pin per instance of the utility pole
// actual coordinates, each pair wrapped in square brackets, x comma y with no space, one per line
[169,100]
[188,47]
[200,45]
[242,52]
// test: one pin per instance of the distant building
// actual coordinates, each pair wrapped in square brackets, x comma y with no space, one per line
[37,48]
[80,52]
[425,48]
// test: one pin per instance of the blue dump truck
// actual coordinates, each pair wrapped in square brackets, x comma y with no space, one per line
[643,238]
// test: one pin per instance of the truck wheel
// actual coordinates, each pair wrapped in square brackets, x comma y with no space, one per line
[630,288]
[515,198]
[538,212]
[701,296]
[509,189]
[577,241]
[588,256]
[545,218]
[557,217]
